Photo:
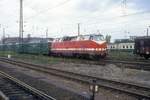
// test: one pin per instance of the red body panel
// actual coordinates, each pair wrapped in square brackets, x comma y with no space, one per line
[79,47]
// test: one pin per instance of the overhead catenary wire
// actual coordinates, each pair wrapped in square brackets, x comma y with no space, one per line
[115,17]
[124,14]
[116,4]
[38,13]
[95,21]
[106,19]
[48,9]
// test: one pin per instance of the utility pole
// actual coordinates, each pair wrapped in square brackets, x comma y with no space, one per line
[147,31]
[47,33]
[3,35]
[124,7]
[78,29]
[21,22]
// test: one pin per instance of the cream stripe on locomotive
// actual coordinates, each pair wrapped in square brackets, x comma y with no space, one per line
[80,49]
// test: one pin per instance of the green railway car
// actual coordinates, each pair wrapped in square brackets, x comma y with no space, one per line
[9,47]
[27,48]
[34,48]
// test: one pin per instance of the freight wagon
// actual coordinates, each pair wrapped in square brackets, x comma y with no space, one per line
[28,48]
[142,46]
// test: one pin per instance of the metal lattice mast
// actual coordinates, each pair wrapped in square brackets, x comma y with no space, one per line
[124,7]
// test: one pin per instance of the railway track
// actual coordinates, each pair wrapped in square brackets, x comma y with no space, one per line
[132,64]
[129,64]
[137,64]
[141,92]
[125,63]
[14,89]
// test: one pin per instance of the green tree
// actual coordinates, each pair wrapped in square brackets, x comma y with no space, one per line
[108,38]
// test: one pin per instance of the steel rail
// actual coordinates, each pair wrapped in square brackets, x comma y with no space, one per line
[129,88]
[129,64]
[139,65]
[27,87]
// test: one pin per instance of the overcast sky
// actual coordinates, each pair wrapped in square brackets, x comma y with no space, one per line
[61,17]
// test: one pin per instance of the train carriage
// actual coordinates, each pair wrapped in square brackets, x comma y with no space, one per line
[85,46]
[27,48]
[34,48]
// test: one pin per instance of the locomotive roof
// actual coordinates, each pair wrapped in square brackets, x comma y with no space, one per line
[90,34]
[143,37]
[78,36]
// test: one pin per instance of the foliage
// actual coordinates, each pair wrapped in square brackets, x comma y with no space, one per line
[108,38]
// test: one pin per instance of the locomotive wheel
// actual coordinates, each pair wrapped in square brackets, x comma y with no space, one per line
[141,55]
[85,56]
[78,56]
[49,54]
[146,56]
[96,57]
[103,56]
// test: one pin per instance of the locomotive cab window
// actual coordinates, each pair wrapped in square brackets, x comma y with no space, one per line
[86,37]
[97,38]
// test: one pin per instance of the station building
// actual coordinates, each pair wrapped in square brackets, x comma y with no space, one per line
[122,45]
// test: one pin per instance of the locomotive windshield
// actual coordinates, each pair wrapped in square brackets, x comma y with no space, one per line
[97,37]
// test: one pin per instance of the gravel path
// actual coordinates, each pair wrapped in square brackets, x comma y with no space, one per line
[109,71]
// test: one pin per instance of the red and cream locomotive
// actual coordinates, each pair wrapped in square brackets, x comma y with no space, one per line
[91,46]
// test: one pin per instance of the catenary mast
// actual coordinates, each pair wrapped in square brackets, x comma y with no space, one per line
[21,22]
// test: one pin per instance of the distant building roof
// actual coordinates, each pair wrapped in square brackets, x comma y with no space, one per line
[124,41]
[143,37]
[15,40]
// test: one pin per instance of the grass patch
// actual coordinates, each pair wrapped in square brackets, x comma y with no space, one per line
[41,59]
[37,59]
[121,55]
